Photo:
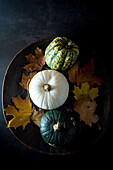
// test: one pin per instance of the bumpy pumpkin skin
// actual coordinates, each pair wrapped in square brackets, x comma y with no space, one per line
[61,54]
[66,132]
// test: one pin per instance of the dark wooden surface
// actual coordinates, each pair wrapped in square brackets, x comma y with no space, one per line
[25,21]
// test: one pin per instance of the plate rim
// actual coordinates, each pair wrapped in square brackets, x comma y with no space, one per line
[30,147]
[2,96]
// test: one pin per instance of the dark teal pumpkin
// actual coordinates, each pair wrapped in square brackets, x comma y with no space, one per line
[61,53]
[58,127]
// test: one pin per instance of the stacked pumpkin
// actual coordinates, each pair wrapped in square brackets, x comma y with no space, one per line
[49,89]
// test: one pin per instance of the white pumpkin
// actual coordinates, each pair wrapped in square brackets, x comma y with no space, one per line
[49,89]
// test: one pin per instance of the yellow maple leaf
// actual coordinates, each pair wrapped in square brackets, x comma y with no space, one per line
[93,93]
[21,112]
[77,92]
[85,88]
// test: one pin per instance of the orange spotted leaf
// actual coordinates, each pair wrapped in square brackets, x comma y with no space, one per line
[86,109]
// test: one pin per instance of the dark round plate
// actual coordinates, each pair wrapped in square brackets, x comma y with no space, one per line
[31,135]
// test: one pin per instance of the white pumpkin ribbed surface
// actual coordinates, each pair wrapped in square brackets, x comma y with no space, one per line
[57,94]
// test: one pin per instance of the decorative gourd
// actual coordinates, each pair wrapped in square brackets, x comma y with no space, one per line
[58,127]
[49,89]
[61,53]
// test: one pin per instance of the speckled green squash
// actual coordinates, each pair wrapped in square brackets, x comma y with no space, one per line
[61,53]
[58,128]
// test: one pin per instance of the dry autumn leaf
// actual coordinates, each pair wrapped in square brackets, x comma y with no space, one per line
[36,116]
[32,66]
[21,112]
[79,74]
[73,72]
[36,62]
[85,90]
[86,109]
[26,80]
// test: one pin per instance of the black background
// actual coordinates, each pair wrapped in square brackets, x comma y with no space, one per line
[25,21]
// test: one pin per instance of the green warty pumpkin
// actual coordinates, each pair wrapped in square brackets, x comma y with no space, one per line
[61,54]
[58,128]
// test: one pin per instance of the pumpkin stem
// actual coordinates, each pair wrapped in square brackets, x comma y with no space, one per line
[56,127]
[69,43]
[47,87]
